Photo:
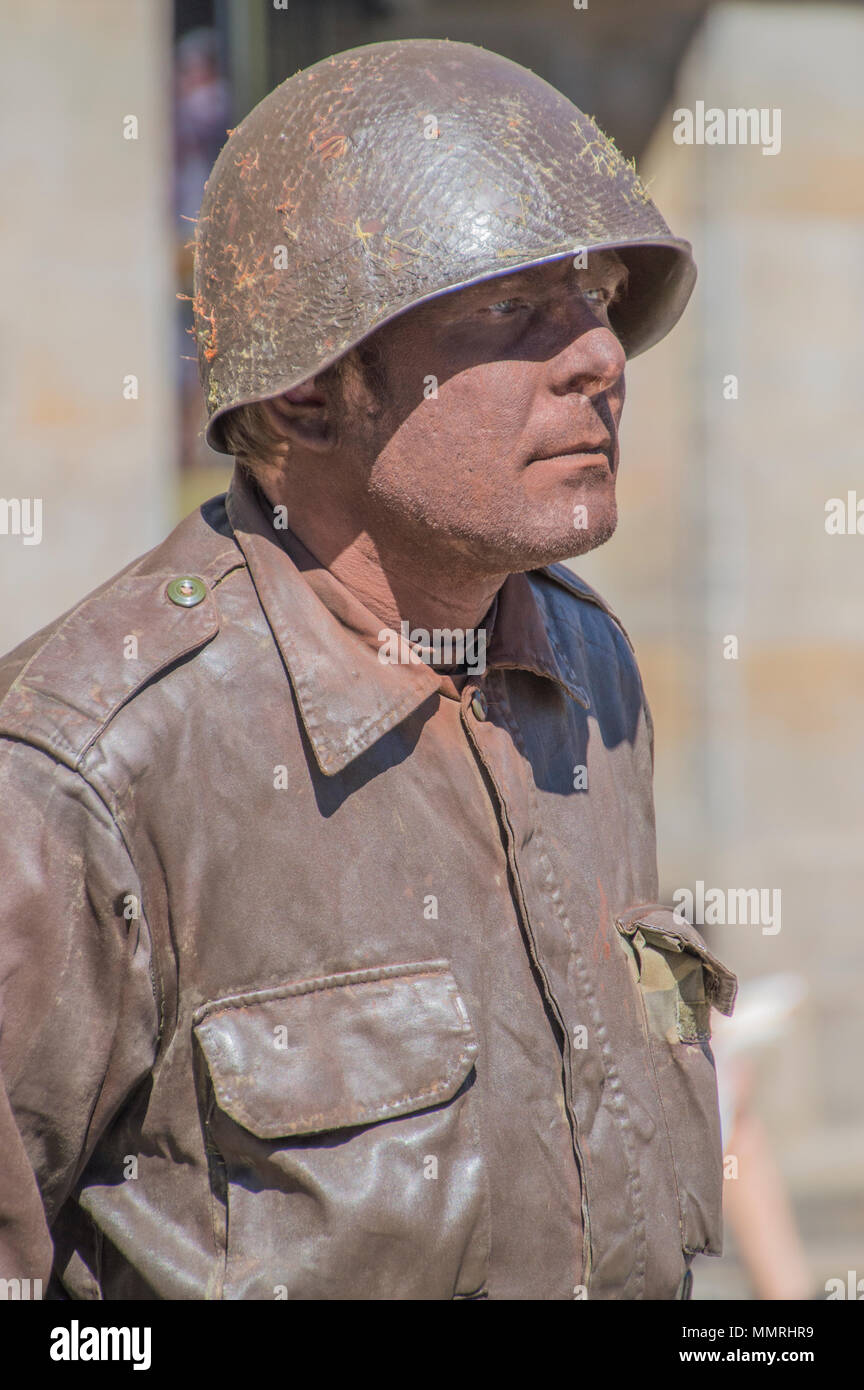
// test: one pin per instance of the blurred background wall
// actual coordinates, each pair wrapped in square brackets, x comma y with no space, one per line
[88,295]
[723,488]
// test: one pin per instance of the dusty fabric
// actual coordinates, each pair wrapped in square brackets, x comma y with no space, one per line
[318,984]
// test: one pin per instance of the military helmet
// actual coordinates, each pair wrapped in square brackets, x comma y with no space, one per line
[384,176]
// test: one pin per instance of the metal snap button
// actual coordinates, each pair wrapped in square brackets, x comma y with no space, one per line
[187,591]
[479,705]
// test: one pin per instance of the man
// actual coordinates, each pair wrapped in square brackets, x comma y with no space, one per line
[333,967]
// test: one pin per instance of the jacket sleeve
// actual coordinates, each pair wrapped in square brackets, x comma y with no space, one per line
[79,1019]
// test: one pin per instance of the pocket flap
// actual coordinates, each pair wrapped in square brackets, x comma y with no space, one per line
[660,925]
[338,1051]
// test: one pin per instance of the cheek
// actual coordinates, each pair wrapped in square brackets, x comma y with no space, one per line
[481,413]
[446,459]
[442,454]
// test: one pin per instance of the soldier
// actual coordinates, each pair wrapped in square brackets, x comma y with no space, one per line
[333,966]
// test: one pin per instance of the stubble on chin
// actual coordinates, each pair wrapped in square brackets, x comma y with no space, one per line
[529,548]
[595,534]
[587,524]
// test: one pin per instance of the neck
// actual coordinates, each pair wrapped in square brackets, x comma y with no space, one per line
[409,587]
[396,579]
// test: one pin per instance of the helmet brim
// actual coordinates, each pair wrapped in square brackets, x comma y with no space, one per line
[661,277]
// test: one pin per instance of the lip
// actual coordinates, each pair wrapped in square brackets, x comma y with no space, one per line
[591,453]
[578,451]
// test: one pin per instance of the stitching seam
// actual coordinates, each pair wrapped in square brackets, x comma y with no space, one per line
[315,986]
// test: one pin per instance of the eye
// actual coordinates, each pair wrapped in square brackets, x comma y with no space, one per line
[599,295]
[503,308]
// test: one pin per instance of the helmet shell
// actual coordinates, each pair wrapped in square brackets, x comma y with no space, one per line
[389,174]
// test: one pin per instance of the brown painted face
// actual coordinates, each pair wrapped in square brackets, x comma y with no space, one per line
[500,426]
[491,448]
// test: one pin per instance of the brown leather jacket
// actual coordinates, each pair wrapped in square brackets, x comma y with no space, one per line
[324,979]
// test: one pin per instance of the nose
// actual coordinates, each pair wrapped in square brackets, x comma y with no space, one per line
[591,361]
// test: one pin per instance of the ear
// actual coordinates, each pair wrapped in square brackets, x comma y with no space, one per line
[303,416]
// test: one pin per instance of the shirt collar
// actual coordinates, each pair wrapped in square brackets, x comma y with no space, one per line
[329,643]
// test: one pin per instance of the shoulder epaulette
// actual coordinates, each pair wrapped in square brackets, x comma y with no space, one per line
[59,689]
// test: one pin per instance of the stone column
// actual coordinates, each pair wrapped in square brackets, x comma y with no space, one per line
[87,323]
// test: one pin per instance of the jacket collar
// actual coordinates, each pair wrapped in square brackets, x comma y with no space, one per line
[346,696]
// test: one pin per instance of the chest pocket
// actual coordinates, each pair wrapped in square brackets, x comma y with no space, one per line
[346,1155]
[680,981]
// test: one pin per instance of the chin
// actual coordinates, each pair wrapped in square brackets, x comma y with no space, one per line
[580,542]
[565,543]
[515,554]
